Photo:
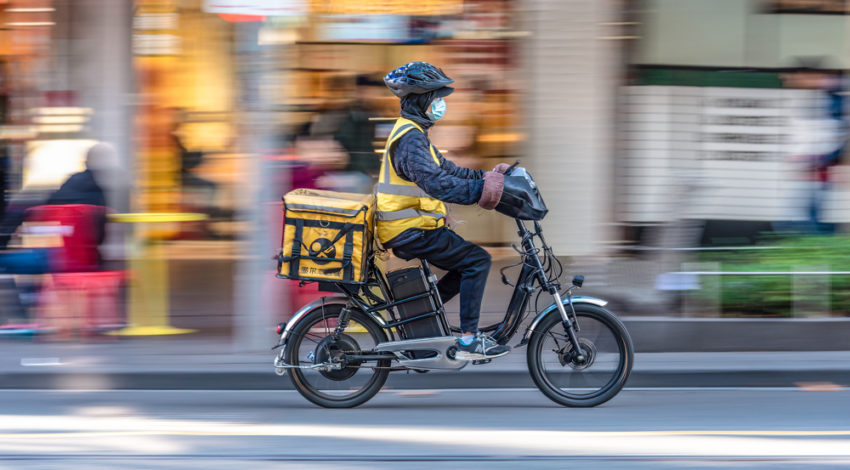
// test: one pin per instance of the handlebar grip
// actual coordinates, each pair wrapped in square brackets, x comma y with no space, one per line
[511,168]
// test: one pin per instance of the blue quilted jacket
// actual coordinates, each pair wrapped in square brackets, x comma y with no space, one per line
[411,159]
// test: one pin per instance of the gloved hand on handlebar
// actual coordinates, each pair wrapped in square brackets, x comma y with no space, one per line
[494,183]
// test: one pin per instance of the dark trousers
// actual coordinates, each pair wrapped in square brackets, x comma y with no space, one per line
[467,264]
[818,194]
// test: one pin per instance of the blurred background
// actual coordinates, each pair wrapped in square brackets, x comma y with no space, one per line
[691,153]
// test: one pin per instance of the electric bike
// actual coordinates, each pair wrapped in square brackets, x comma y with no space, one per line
[340,349]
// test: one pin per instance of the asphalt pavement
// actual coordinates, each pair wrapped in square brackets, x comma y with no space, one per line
[216,364]
[639,429]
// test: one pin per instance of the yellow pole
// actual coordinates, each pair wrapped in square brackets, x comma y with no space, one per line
[148,313]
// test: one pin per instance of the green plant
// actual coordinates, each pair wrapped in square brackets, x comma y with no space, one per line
[773,295]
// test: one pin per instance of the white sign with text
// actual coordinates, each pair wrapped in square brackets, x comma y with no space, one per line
[256,7]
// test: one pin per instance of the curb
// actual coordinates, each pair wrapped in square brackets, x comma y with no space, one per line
[663,334]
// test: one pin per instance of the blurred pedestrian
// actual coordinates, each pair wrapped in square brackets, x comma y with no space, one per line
[356,132]
[88,187]
[4,149]
[198,194]
[820,136]
[85,187]
[190,160]
[323,160]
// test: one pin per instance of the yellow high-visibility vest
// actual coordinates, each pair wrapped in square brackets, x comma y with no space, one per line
[401,204]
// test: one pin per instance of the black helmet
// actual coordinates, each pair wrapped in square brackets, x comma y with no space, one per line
[417,78]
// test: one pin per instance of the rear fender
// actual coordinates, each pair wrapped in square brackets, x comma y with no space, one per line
[303,311]
[554,308]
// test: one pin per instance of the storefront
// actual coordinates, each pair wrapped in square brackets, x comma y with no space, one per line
[190,67]
[716,128]
[504,56]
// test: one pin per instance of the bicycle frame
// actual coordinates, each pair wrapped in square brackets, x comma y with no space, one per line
[525,284]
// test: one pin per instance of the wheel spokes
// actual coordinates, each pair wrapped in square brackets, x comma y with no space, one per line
[336,384]
[580,379]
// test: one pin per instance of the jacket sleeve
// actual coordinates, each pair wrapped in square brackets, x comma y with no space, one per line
[460,172]
[446,182]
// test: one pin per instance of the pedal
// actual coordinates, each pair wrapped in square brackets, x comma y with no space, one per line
[481,361]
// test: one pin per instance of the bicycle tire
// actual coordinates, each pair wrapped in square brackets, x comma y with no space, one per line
[298,377]
[606,392]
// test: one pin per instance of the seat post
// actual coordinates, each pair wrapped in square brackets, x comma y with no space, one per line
[426,267]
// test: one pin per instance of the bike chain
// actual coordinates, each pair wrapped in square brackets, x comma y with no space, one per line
[369,367]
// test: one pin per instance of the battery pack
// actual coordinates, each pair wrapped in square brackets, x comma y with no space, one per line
[408,282]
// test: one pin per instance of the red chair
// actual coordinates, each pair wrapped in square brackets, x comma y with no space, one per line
[78,296]
[78,225]
[89,301]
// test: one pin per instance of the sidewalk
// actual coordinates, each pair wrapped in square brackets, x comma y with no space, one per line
[210,364]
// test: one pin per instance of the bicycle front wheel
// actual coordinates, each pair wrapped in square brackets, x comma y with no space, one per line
[581,381]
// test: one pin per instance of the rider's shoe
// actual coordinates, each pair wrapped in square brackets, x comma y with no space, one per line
[482,347]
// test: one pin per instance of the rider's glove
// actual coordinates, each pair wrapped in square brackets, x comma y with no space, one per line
[494,183]
[501,168]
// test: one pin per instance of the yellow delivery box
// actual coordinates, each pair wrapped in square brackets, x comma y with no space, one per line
[327,236]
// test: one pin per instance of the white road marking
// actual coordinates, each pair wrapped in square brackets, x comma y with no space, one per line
[140,434]
[40,361]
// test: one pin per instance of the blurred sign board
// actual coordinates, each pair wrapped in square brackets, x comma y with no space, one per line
[365,28]
[722,153]
[742,127]
[334,7]
[155,28]
[817,7]
[387,7]
[255,7]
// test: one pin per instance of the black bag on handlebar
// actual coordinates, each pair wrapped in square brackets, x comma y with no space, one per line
[521,200]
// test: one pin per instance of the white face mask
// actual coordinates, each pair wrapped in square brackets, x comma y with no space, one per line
[437,109]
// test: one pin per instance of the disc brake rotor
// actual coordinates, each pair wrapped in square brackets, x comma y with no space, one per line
[568,357]
[330,350]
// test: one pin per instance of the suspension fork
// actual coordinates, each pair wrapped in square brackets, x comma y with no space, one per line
[569,325]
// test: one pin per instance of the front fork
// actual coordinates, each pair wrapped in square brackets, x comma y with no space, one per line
[571,325]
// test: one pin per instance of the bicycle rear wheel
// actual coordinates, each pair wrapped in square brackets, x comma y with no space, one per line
[312,343]
[569,380]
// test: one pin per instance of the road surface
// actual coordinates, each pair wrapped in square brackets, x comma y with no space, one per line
[493,428]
